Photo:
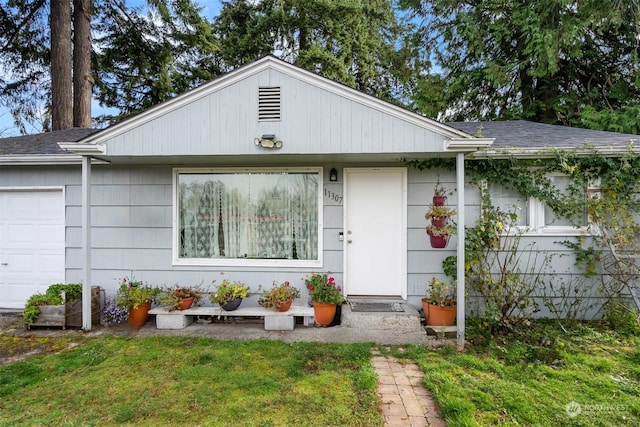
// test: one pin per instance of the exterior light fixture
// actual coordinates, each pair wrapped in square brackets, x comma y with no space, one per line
[268,141]
[333,175]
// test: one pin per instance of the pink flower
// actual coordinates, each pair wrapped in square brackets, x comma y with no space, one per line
[331,281]
[309,287]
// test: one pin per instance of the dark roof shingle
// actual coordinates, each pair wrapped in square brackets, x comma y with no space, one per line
[42,143]
[525,134]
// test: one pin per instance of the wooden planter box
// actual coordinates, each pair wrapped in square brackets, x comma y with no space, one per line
[69,313]
[73,310]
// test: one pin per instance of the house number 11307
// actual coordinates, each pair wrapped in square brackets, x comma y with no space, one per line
[332,196]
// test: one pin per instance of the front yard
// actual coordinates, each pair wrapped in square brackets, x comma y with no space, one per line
[581,376]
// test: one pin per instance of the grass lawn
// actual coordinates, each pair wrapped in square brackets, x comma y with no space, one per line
[192,381]
[548,377]
[545,376]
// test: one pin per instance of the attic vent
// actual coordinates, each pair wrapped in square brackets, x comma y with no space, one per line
[269,103]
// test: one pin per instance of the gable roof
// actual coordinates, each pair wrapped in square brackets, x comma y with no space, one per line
[522,134]
[272,63]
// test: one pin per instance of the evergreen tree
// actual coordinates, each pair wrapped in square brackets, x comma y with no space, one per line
[555,61]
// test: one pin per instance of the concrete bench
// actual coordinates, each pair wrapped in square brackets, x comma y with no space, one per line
[273,320]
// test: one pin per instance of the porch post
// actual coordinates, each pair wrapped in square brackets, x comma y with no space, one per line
[86,242]
[460,252]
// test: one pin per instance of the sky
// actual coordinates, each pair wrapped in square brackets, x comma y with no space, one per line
[7,129]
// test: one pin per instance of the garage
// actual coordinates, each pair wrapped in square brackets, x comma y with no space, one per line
[32,243]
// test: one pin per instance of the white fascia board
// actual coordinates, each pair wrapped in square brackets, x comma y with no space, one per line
[44,160]
[285,68]
[83,148]
[467,144]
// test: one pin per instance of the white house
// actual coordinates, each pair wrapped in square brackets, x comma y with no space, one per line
[265,174]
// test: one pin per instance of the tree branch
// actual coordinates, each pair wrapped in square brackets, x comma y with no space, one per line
[37,5]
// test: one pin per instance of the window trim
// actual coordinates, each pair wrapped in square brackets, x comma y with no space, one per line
[537,218]
[244,262]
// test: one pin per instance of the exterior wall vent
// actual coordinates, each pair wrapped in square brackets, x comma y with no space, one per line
[269,103]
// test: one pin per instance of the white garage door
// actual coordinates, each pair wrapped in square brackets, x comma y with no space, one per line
[31,244]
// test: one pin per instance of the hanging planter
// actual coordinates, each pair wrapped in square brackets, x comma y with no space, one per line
[439,242]
[440,193]
[439,230]
[439,236]
[439,200]
[439,221]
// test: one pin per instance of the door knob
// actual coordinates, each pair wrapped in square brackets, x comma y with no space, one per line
[349,241]
[4,263]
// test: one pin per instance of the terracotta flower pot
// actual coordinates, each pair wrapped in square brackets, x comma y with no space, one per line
[138,315]
[324,313]
[232,305]
[185,303]
[438,316]
[285,306]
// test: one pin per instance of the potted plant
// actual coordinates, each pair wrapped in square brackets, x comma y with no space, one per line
[440,306]
[280,296]
[40,309]
[439,236]
[439,215]
[181,297]
[229,294]
[440,193]
[138,297]
[325,295]
[61,305]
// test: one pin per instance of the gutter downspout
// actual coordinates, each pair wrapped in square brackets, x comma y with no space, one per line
[460,288]
[86,242]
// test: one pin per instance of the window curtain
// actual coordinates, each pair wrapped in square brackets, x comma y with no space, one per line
[249,215]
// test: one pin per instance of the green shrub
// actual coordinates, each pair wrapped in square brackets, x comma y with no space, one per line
[53,296]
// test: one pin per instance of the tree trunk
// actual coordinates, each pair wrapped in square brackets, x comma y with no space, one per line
[82,81]
[61,91]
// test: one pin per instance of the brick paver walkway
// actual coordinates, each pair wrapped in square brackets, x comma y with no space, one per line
[405,401]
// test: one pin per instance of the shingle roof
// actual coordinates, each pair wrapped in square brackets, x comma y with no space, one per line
[525,134]
[42,143]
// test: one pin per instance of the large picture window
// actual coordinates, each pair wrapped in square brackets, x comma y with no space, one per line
[255,217]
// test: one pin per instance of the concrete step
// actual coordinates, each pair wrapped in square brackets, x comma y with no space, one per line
[407,321]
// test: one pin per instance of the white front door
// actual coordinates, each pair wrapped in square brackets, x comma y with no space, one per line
[31,244]
[375,236]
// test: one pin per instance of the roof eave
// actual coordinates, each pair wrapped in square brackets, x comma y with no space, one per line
[82,148]
[467,144]
[548,152]
[43,160]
